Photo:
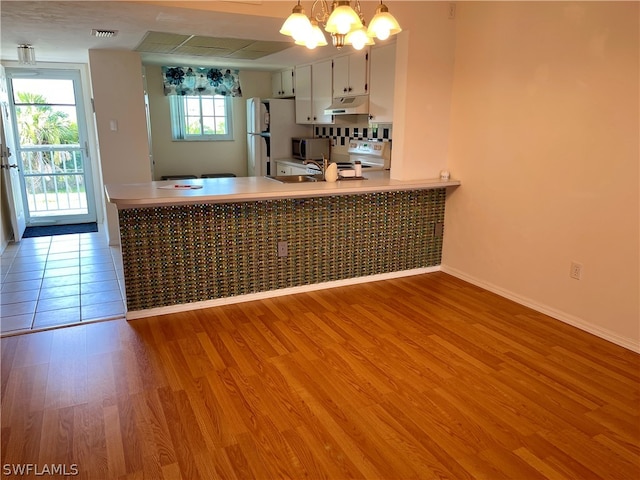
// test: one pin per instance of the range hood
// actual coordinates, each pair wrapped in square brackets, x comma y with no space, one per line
[348,106]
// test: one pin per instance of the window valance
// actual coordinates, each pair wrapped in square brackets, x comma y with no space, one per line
[201,81]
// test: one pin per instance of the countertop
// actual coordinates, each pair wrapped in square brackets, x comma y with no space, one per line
[239,189]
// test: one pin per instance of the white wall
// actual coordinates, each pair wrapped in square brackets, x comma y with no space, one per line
[118,94]
[423,82]
[545,138]
[196,158]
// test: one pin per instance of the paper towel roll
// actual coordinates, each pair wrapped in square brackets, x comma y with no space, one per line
[331,175]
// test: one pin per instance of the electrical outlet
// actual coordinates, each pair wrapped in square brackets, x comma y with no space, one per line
[452,11]
[283,249]
[576,271]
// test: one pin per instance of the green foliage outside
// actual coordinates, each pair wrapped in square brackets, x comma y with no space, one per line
[40,124]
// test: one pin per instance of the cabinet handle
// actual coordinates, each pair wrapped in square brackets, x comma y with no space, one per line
[308,118]
[350,89]
[344,89]
[314,118]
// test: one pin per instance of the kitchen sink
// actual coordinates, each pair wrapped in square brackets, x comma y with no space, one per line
[295,178]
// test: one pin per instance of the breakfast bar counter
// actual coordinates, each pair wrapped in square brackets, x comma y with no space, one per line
[238,189]
[199,243]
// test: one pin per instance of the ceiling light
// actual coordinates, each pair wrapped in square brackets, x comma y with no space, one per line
[297,25]
[26,54]
[383,24]
[315,39]
[358,38]
[343,19]
[345,24]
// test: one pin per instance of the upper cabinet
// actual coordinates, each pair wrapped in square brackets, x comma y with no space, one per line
[382,77]
[350,75]
[282,83]
[313,93]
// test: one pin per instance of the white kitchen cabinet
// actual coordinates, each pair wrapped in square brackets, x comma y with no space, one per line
[350,75]
[382,71]
[285,168]
[282,83]
[313,93]
[321,88]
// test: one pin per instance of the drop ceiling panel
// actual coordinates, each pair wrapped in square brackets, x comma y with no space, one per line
[201,46]
[226,43]
[202,51]
[164,38]
[246,54]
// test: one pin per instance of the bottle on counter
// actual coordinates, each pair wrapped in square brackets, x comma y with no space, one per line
[357,166]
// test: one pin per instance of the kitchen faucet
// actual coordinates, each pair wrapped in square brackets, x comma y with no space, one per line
[323,167]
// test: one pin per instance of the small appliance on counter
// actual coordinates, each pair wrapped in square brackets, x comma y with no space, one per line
[310,148]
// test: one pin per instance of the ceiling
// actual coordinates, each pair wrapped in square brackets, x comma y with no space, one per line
[61,32]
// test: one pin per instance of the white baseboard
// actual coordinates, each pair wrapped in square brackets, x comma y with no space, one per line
[132,315]
[572,320]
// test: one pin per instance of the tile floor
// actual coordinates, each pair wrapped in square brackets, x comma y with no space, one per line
[53,281]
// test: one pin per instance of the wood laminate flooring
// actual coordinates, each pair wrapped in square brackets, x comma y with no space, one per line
[422,377]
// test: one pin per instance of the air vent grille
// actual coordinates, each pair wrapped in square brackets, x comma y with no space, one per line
[104,33]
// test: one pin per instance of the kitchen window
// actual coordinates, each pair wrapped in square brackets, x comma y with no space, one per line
[201,117]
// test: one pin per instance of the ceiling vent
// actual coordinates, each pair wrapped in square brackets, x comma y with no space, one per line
[104,33]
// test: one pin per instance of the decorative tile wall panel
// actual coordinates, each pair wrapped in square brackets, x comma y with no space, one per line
[190,253]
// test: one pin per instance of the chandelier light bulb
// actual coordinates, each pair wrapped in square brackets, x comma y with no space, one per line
[383,33]
[343,19]
[297,25]
[314,39]
[383,24]
[358,38]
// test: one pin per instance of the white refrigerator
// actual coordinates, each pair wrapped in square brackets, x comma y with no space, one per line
[271,124]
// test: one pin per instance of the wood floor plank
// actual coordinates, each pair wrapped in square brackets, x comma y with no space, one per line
[539,464]
[418,377]
[89,440]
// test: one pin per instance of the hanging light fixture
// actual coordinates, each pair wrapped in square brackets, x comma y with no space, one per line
[383,24]
[26,54]
[315,39]
[345,24]
[358,38]
[297,25]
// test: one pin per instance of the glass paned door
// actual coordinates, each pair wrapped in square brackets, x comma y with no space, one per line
[52,146]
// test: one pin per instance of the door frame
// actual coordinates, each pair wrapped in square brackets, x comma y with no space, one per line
[11,185]
[92,151]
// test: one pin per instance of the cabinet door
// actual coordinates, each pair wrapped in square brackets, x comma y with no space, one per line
[303,95]
[341,76]
[358,74]
[282,169]
[288,83]
[276,84]
[382,77]
[282,84]
[350,75]
[321,83]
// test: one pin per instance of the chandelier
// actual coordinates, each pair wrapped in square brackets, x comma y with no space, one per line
[345,24]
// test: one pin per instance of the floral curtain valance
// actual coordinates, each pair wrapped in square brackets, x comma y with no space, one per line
[201,81]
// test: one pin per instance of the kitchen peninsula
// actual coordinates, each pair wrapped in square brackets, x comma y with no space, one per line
[189,248]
